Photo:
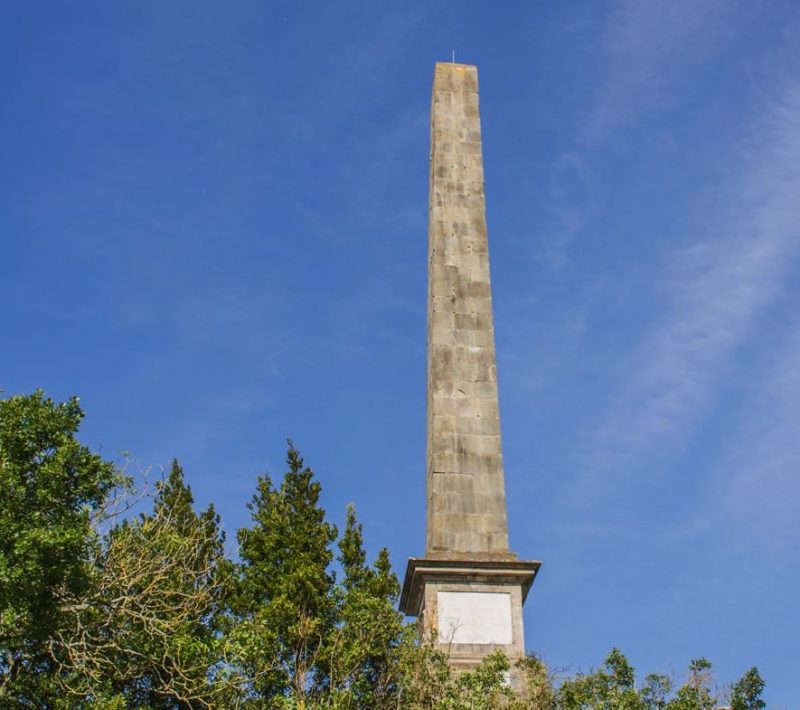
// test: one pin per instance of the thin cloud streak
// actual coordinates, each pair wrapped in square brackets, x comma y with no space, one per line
[647,48]
[718,289]
[753,488]
[758,483]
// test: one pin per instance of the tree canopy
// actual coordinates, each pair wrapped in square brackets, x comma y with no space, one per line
[104,608]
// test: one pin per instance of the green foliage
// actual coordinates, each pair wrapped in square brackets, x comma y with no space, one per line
[51,485]
[613,686]
[152,614]
[538,687]
[358,656]
[655,692]
[696,693]
[148,633]
[746,693]
[424,676]
[302,638]
[285,606]
[484,688]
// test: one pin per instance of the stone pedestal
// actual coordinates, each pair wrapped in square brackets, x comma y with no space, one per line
[469,607]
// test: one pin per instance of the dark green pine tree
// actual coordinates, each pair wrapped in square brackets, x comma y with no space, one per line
[746,692]
[362,654]
[285,603]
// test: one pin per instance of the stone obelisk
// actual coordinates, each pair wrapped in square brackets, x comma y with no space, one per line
[469,588]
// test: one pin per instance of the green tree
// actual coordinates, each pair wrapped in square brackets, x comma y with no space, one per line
[148,634]
[360,656]
[51,486]
[538,691]
[304,639]
[746,692]
[696,693]
[612,686]
[285,604]
[424,675]
[655,692]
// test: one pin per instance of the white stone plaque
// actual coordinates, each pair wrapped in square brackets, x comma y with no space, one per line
[475,617]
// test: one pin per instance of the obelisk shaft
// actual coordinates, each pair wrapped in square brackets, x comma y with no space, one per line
[466,492]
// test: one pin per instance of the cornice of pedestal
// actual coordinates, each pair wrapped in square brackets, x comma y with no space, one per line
[464,569]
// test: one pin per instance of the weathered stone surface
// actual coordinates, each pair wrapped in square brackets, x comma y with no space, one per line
[469,590]
[466,490]
[428,582]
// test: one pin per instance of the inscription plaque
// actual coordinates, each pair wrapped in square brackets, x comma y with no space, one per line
[475,617]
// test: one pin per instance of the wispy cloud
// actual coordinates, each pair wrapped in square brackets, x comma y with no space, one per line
[757,483]
[646,47]
[718,288]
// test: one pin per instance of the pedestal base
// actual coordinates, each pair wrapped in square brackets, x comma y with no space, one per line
[469,608]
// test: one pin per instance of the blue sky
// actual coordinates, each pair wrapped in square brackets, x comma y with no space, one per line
[213,229]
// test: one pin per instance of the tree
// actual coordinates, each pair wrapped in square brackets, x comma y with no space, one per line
[538,691]
[613,685]
[656,691]
[285,604]
[51,487]
[305,639]
[746,693]
[148,632]
[359,657]
[696,693]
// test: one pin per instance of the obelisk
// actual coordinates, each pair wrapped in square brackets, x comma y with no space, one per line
[469,589]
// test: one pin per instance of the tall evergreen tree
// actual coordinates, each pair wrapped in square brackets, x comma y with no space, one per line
[285,601]
[362,658]
[305,639]
[746,692]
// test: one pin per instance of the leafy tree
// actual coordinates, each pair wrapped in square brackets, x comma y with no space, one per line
[51,486]
[305,639]
[612,686]
[656,691]
[148,633]
[746,693]
[424,677]
[696,693]
[484,688]
[285,605]
[358,657]
[538,691]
